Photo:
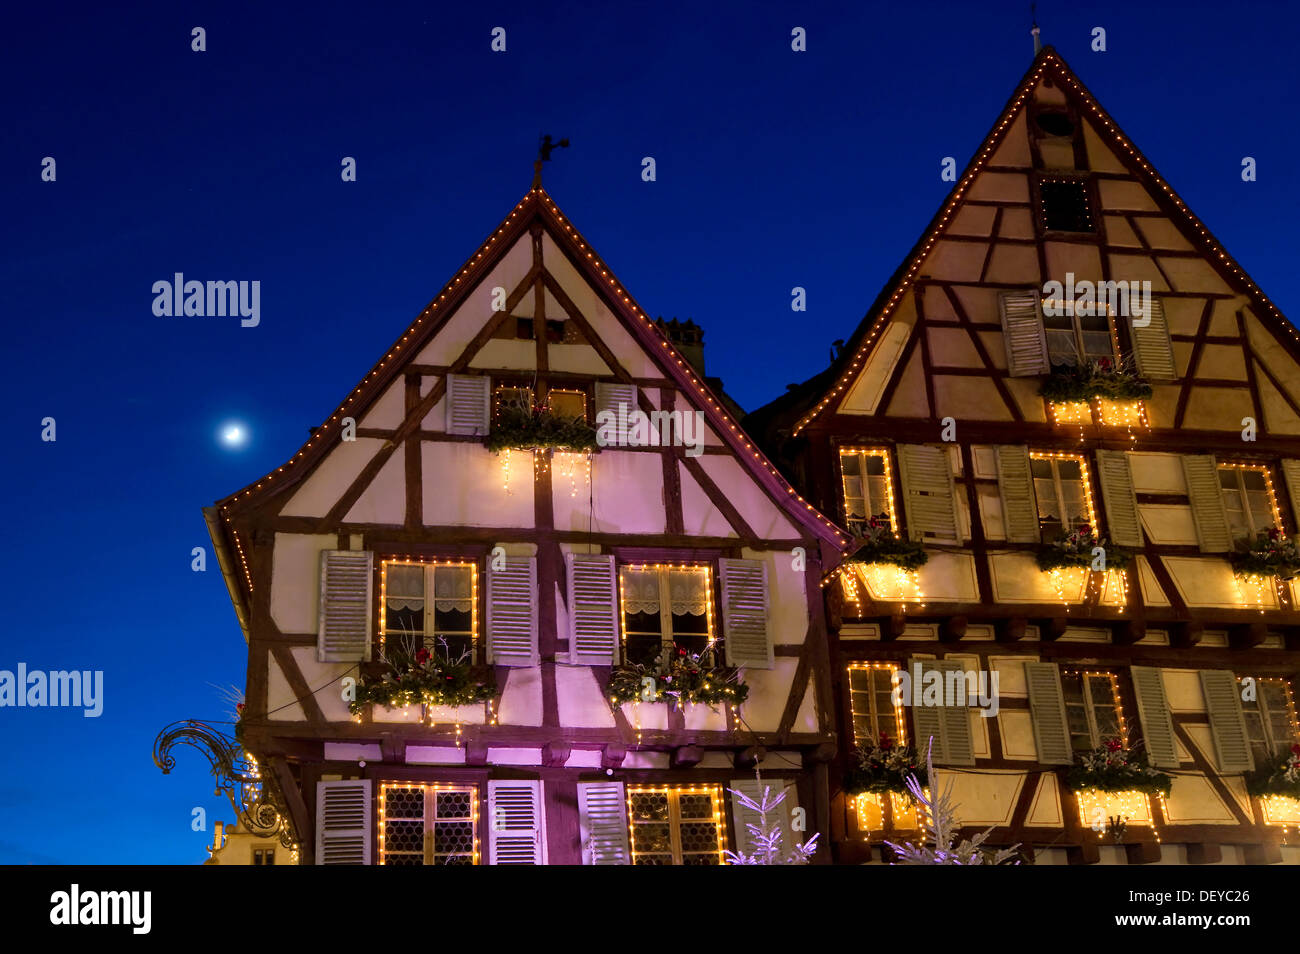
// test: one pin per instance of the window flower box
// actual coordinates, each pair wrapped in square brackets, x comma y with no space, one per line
[1113,769]
[1104,379]
[883,767]
[878,545]
[1281,779]
[683,679]
[525,426]
[1269,554]
[1074,549]
[425,678]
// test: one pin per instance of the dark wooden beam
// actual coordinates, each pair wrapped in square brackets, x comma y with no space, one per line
[1202,854]
[612,756]
[1011,630]
[747,758]
[1186,635]
[1247,635]
[1143,852]
[555,754]
[687,756]
[953,628]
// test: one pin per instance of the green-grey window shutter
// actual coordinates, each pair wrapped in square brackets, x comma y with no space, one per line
[747,640]
[593,609]
[1206,496]
[602,823]
[1016,486]
[1022,330]
[927,492]
[1291,471]
[958,747]
[343,627]
[343,822]
[1047,712]
[1151,346]
[609,396]
[927,721]
[1153,712]
[1227,722]
[468,400]
[1118,496]
[512,612]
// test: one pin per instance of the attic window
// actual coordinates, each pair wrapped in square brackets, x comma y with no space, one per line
[1064,205]
[524,329]
[554,331]
[1055,124]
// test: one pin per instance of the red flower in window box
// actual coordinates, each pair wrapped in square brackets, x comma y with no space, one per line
[1114,745]
[239,711]
[1295,749]
[422,656]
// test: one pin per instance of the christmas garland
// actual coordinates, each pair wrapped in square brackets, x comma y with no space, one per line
[1113,768]
[883,767]
[523,427]
[1269,554]
[685,678]
[879,545]
[1074,549]
[434,679]
[1280,778]
[1094,379]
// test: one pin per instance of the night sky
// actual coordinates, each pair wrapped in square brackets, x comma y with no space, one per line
[775,169]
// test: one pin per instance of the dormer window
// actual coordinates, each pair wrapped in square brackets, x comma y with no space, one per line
[1064,205]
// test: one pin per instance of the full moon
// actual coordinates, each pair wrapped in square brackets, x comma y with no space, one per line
[234,435]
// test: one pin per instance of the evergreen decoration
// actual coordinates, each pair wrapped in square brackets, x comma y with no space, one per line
[1103,378]
[1280,778]
[420,676]
[883,766]
[1074,549]
[879,545]
[1268,554]
[766,837]
[941,826]
[681,677]
[1113,768]
[520,425]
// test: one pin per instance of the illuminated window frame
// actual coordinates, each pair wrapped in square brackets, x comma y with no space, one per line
[1085,475]
[862,453]
[666,635]
[675,820]
[1243,494]
[579,393]
[899,735]
[500,391]
[1262,710]
[385,563]
[430,789]
[1089,704]
[1067,309]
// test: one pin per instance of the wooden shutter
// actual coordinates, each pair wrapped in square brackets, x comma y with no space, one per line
[602,823]
[516,835]
[593,609]
[958,746]
[1153,712]
[343,822]
[1227,722]
[1206,496]
[608,398]
[927,491]
[512,612]
[927,721]
[1047,712]
[468,400]
[1016,486]
[742,817]
[1117,494]
[1151,347]
[1022,330]
[746,638]
[1291,471]
[343,626]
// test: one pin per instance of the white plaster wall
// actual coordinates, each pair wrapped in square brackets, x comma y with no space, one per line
[295,579]
[331,478]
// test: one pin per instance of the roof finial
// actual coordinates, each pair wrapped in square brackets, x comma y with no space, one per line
[544,148]
[1033,15]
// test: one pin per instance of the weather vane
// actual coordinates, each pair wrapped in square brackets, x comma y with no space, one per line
[545,146]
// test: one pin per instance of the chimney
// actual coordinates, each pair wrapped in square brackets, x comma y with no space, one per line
[688,338]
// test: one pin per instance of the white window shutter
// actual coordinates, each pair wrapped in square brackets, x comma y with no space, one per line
[593,609]
[512,612]
[958,746]
[927,492]
[1227,722]
[608,398]
[1153,712]
[1022,330]
[1047,713]
[1120,501]
[1151,346]
[742,817]
[468,401]
[602,823]
[1202,475]
[1016,486]
[1291,471]
[927,721]
[343,625]
[516,835]
[343,822]
[747,641]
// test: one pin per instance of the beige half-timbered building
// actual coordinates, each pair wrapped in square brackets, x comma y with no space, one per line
[933,421]
[396,526]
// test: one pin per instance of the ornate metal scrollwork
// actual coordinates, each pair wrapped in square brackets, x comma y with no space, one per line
[257,801]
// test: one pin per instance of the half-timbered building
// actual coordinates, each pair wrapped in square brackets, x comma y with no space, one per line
[1103,489]
[409,538]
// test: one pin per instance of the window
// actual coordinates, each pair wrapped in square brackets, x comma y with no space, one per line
[1077,338]
[428,824]
[1054,123]
[676,825]
[1063,493]
[567,403]
[511,396]
[1064,205]
[868,488]
[665,608]
[429,606]
[871,697]
[1092,709]
[1248,499]
[524,329]
[263,856]
[1270,720]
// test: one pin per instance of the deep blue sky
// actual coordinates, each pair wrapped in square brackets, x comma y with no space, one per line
[775,169]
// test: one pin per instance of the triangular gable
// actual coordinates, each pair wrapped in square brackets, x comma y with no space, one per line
[379,401]
[871,355]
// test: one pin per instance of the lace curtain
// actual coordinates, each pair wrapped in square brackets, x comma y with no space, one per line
[453,587]
[687,591]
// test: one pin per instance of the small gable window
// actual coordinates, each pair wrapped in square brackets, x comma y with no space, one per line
[1074,338]
[665,609]
[1092,709]
[1062,492]
[1064,205]
[1248,499]
[1270,720]
[567,403]
[868,487]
